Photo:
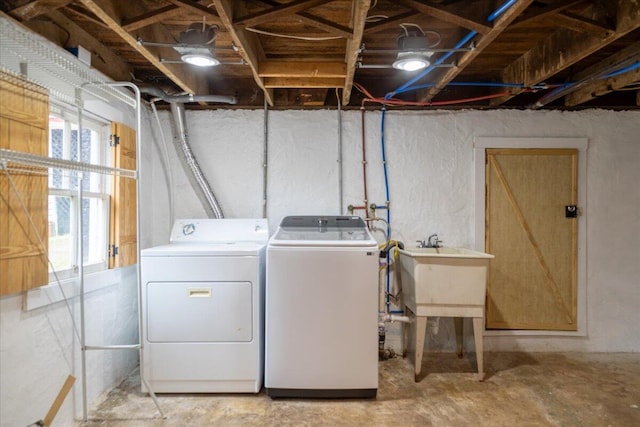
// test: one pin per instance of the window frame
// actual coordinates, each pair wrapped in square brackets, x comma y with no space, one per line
[103,129]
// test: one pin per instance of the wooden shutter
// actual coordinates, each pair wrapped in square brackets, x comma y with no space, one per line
[122,227]
[532,280]
[24,122]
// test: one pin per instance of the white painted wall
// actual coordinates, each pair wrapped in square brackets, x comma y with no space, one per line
[432,189]
[38,348]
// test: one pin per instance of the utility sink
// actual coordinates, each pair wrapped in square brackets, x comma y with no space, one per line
[444,282]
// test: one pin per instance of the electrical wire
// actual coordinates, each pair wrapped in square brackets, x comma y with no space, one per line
[404,26]
[290,36]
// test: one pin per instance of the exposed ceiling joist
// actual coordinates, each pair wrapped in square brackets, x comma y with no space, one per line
[303,82]
[151,17]
[316,21]
[276,12]
[247,43]
[323,24]
[581,24]
[546,11]
[108,62]
[446,16]
[86,15]
[302,69]
[36,8]
[195,7]
[500,24]
[187,82]
[391,22]
[599,87]
[359,12]
[563,49]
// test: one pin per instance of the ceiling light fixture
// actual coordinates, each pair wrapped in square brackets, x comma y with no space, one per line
[199,57]
[413,45]
[193,45]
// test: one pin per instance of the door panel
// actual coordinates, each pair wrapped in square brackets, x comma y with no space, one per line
[532,281]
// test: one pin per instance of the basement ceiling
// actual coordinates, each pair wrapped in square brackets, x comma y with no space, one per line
[561,54]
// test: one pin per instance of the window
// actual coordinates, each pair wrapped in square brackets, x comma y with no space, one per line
[64,205]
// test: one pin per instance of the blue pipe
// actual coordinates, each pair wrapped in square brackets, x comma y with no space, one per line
[631,67]
[386,187]
[433,67]
[478,84]
[492,17]
[559,89]
[499,11]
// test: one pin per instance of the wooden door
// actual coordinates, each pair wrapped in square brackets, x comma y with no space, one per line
[123,224]
[532,280]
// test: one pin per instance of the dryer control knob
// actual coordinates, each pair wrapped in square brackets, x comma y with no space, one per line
[188,229]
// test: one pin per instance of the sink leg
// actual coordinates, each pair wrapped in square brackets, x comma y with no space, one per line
[458,322]
[478,329]
[421,329]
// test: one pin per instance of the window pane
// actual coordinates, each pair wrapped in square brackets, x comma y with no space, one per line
[94,233]
[56,149]
[60,233]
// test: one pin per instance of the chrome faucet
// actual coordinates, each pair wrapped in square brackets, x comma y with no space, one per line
[431,242]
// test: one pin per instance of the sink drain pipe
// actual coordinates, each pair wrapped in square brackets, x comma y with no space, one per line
[205,193]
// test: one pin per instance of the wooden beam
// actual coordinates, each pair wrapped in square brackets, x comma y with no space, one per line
[108,62]
[599,86]
[324,24]
[499,25]
[302,69]
[563,49]
[391,22]
[104,10]
[36,8]
[290,8]
[247,43]
[581,24]
[446,16]
[543,12]
[316,21]
[359,12]
[151,17]
[195,7]
[303,82]
[86,15]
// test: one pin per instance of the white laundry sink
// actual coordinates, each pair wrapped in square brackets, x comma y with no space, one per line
[446,278]
[444,282]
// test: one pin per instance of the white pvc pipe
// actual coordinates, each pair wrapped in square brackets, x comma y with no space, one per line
[388,317]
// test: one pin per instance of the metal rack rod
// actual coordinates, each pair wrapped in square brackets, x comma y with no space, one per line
[28,159]
[138,346]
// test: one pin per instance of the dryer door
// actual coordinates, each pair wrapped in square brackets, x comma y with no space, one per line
[199,312]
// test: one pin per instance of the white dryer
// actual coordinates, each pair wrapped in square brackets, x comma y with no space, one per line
[322,309]
[202,307]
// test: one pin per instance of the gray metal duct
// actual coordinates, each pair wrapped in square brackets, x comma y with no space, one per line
[159,93]
[197,178]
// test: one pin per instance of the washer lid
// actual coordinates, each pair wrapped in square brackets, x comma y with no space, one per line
[204,249]
[323,231]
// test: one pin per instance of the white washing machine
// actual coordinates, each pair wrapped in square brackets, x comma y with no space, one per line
[202,302]
[321,337]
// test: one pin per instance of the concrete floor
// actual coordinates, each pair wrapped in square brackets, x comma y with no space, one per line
[520,389]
